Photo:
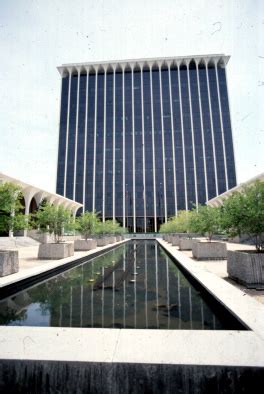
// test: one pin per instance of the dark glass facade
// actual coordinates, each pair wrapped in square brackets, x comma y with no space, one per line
[141,142]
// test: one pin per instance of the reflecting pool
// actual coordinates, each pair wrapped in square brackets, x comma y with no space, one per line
[135,285]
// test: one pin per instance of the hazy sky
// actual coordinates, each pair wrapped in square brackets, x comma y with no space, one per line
[37,36]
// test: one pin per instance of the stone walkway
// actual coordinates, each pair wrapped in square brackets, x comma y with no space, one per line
[219,268]
[30,265]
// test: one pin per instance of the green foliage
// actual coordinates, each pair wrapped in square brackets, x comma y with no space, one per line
[178,224]
[170,226]
[10,217]
[10,196]
[54,219]
[87,223]
[205,220]
[109,227]
[14,223]
[243,213]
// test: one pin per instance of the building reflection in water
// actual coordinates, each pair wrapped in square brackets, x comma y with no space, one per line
[135,285]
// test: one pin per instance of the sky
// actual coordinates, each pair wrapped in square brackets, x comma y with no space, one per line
[36,36]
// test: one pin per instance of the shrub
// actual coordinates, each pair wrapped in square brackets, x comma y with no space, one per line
[109,227]
[86,223]
[11,218]
[205,220]
[54,219]
[178,224]
[243,213]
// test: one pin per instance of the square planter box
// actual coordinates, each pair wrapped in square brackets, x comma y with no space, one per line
[8,262]
[102,241]
[55,251]
[209,250]
[85,244]
[111,239]
[168,238]
[247,268]
[175,240]
[185,243]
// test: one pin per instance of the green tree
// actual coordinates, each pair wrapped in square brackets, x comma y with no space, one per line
[243,213]
[109,227]
[86,223]
[178,224]
[169,227]
[206,220]
[54,219]
[11,218]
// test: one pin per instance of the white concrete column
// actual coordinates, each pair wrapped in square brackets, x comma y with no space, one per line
[28,195]
[59,123]
[193,142]
[76,135]
[202,128]
[172,143]
[124,148]
[153,149]
[67,131]
[231,123]
[85,138]
[104,144]
[163,148]
[212,126]
[133,150]
[143,148]
[221,122]
[183,139]
[74,211]
[95,130]
[114,142]
[39,197]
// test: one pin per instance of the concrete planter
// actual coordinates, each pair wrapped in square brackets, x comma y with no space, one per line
[102,241]
[209,250]
[55,251]
[8,262]
[247,268]
[175,240]
[85,244]
[111,239]
[185,243]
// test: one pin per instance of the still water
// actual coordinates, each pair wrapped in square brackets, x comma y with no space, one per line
[135,285]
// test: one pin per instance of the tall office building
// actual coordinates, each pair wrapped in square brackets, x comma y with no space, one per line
[141,139]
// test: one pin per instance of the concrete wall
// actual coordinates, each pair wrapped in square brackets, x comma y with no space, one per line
[77,377]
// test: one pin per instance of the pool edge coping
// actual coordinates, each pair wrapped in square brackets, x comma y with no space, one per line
[173,347]
[245,308]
